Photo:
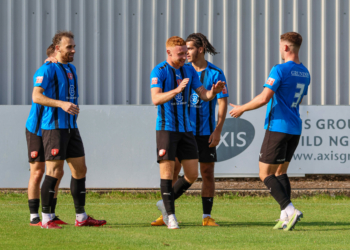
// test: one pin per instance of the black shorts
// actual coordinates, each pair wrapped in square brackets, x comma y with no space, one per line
[180,144]
[205,153]
[278,148]
[35,147]
[61,144]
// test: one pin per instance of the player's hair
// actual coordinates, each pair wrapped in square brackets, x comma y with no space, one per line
[175,41]
[201,40]
[50,50]
[56,40]
[292,37]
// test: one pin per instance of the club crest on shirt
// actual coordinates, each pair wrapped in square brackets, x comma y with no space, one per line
[154,80]
[270,81]
[194,99]
[39,79]
[178,81]
[70,76]
[34,154]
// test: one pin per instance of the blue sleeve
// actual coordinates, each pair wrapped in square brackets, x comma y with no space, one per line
[43,76]
[307,88]
[196,83]
[76,79]
[157,78]
[274,80]
[224,92]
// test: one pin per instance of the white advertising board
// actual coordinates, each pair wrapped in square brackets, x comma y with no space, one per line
[120,145]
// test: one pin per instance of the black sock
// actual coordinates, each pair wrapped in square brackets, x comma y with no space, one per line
[167,192]
[277,191]
[284,180]
[47,193]
[207,204]
[181,187]
[53,205]
[34,206]
[77,188]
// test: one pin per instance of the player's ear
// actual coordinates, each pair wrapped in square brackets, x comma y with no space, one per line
[201,50]
[168,52]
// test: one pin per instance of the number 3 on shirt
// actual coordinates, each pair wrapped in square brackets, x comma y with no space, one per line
[298,94]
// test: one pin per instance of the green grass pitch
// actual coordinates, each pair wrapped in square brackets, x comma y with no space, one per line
[245,223]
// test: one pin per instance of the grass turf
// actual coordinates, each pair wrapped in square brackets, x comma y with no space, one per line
[245,223]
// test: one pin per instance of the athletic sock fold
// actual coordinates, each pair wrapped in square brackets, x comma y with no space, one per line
[167,192]
[284,180]
[78,190]
[207,203]
[181,187]
[277,191]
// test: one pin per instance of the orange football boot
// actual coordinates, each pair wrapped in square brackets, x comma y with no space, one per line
[208,221]
[158,222]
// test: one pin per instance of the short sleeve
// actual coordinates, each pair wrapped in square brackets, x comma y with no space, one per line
[157,78]
[43,76]
[196,83]
[224,92]
[274,80]
[307,88]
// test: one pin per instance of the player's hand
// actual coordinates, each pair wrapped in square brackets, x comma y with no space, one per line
[214,139]
[237,111]
[182,85]
[70,108]
[51,59]
[218,87]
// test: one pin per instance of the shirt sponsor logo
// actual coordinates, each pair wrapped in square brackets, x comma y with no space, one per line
[179,97]
[70,76]
[71,90]
[270,81]
[39,79]
[34,154]
[224,90]
[300,74]
[54,151]
[154,80]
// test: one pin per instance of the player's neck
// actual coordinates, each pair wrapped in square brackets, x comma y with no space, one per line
[200,65]
[293,58]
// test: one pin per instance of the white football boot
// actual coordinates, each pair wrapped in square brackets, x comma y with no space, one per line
[173,222]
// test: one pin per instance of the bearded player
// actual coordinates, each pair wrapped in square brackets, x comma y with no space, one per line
[56,88]
[37,160]
[202,116]
[171,84]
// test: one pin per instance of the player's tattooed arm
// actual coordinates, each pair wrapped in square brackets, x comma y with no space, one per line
[208,95]
[158,97]
[260,100]
[40,98]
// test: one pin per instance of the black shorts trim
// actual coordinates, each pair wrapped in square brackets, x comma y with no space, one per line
[205,153]
[278,148]
[35,147]
[176,144]
[61,144]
